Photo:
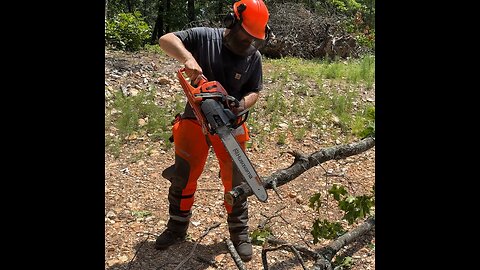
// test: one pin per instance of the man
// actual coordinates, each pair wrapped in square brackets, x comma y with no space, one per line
[230,56]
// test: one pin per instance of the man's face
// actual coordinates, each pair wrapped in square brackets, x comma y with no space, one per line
[240,42]
[244,39]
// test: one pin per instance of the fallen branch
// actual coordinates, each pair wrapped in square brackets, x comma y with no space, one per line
[235,256]
[328,252]
[267,219]
[301,164]
[196,243]
[324,255]
[138,249]
[294,250]
[312,254]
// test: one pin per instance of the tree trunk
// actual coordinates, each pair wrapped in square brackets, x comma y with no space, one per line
[158,28]
[191,10]
[106,8]
[311,5]
[129,6]
[167,24]
[219,7]
[220,4]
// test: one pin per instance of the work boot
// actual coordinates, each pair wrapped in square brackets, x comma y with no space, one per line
[168,238]
[244,250]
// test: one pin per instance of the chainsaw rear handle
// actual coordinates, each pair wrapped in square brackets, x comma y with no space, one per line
[241,118]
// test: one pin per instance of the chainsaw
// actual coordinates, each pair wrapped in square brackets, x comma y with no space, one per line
[211,105]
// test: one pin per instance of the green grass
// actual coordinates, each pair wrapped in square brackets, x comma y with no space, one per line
[352,70]
[154,48]
[307,95]
[156,119]
[318,93]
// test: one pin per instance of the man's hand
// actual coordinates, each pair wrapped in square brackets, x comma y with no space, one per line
[238,109]
[193,70]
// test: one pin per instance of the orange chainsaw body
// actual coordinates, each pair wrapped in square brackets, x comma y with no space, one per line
[195,95]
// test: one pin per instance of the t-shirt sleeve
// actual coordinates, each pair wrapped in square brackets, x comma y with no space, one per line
[189,37]
[255,82]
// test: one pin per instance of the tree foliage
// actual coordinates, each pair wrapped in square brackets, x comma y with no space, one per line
[127,31]
[303,28]
[354,208]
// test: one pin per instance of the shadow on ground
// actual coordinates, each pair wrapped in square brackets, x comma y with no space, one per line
[148,258]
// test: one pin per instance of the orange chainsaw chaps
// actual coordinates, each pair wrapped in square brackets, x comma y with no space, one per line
[191,146]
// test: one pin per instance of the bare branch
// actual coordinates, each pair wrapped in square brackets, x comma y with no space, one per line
[348,238]
[276,214]
[235,256]
[195,245]
[305,250]
[302,164]
[328,252]
[294,250]
[324,255]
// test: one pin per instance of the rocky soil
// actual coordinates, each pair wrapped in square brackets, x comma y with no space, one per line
[136,205]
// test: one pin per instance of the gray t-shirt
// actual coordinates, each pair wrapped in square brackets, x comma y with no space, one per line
[238,75]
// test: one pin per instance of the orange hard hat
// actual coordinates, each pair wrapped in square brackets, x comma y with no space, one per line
[254,16]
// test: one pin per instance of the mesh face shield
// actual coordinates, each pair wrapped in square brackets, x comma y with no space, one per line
[242,43]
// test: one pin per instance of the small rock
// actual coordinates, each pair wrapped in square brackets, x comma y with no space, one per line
[164,80]
[134,92]
[292,194]
[112,262]
[335,119]
[283,125]
[299,199]
[123,258]
[111,214]
[219,257]
[196,223]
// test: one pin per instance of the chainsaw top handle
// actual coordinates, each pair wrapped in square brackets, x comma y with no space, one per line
[201,80]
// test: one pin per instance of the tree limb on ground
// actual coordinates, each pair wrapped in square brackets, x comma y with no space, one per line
[235,256]
[301,164]
[324,255]
[328,252]
[196,243]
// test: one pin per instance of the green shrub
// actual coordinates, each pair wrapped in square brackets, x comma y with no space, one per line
[127,31]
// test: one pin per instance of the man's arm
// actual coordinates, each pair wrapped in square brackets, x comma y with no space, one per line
[174,47]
